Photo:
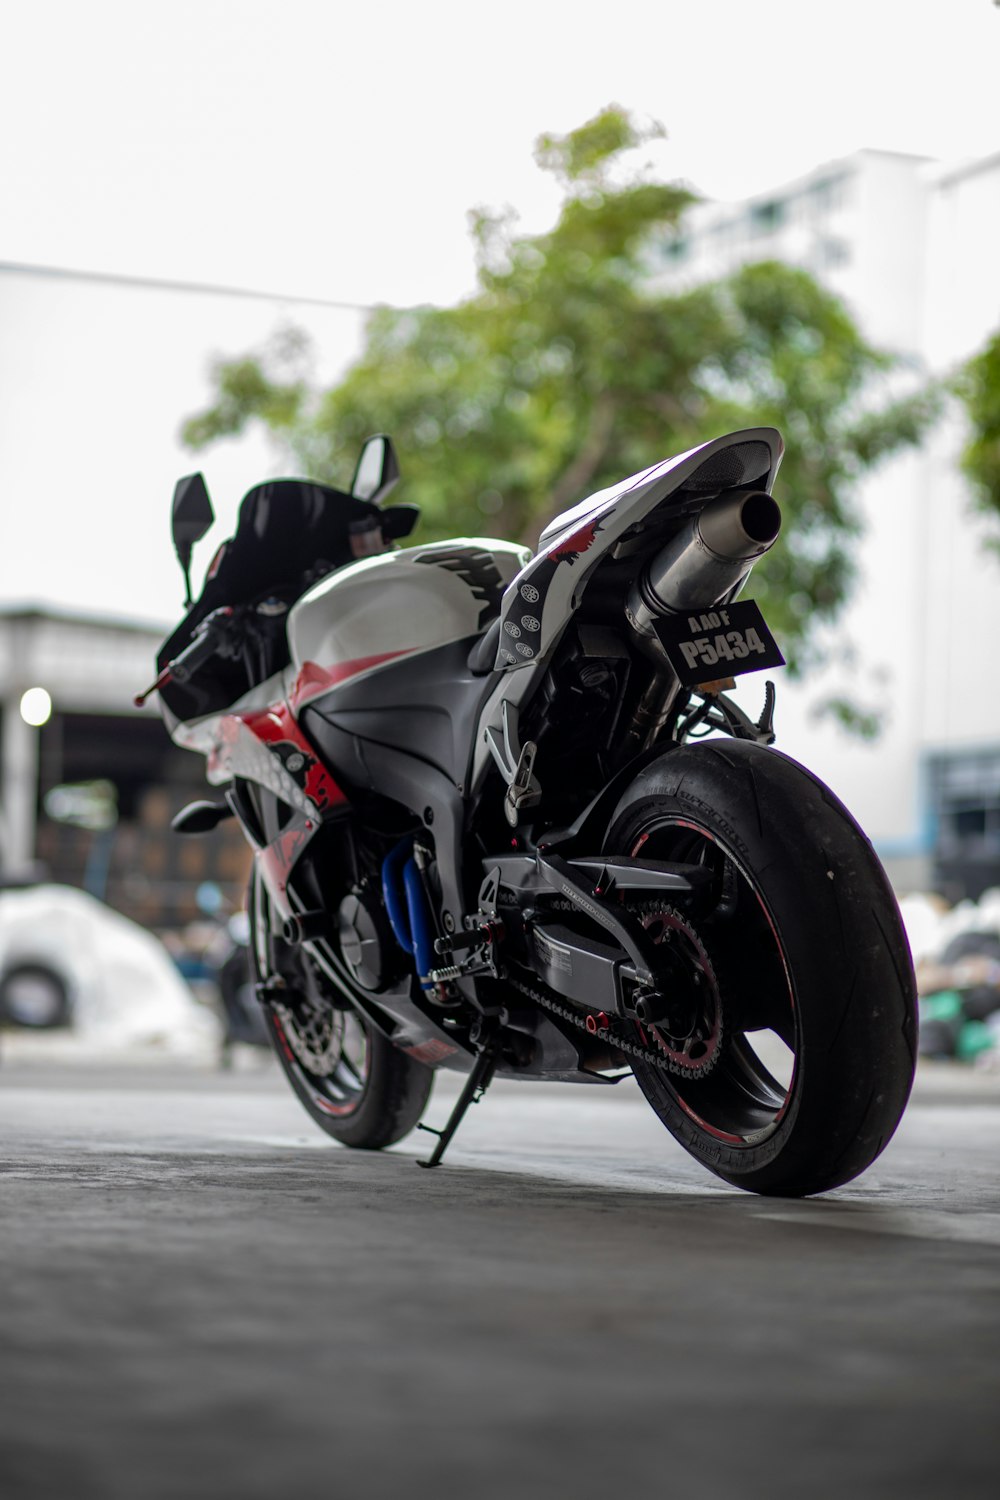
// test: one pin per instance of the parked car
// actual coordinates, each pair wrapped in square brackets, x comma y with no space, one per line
[68,961]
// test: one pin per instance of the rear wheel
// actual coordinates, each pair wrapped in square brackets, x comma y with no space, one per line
[788,1053]
[353,1082]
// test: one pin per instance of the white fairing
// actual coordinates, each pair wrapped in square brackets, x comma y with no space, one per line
[202,734]
[540,601]
[412,600]
[545,593]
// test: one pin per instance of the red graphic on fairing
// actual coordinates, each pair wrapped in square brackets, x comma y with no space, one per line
[431,1051]
[313,680]
[248,744]
[577,542]
[276,728]
[243,739]
[522,621]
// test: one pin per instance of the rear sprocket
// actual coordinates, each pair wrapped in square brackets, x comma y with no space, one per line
[692,1038]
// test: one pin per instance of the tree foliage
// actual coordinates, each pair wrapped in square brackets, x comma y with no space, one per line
[979,388]
[571,368]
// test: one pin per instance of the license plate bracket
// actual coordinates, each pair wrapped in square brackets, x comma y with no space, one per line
[725,641]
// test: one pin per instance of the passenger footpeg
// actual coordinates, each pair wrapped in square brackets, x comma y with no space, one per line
[516,765]
[524,791]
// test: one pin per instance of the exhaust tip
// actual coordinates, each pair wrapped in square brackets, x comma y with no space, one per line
[740,525]
[760,517]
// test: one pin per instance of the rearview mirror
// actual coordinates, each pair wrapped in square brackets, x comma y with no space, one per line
[377,470]
[190,518]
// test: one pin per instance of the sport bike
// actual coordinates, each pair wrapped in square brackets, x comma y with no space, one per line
[507,819]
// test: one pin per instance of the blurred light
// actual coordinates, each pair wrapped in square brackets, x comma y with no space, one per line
[209,898]
[36,707]
[84,804]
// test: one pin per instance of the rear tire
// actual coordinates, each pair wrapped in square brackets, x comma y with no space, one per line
[352,1081]
[803,941]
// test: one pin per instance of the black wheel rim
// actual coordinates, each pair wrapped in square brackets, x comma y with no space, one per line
[747,1094]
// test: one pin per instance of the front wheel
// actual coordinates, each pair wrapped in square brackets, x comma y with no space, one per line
[792,1055]
[353,1082]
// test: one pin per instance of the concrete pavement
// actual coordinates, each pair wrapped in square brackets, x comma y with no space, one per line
[205,1297]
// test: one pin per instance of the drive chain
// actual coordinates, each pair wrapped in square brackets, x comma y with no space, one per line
[547,1001]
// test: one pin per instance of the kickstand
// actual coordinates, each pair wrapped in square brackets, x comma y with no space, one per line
[476,1085]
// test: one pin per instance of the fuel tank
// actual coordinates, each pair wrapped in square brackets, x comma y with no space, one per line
[382,608]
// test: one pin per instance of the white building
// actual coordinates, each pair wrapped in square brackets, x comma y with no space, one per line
[911,247]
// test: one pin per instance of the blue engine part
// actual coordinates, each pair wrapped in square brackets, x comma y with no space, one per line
[408,908]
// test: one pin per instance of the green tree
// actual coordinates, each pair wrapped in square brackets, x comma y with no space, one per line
[570,368]
[978,387]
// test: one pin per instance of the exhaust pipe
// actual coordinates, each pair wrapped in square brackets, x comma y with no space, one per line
[707,560]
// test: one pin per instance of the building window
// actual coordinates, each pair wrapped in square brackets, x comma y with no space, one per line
[829,193]
[833,253]
[768,216]
[965,809]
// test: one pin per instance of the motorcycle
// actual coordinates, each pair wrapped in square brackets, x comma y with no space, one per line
[508,820]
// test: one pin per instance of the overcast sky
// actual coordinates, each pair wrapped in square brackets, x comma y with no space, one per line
[332,151]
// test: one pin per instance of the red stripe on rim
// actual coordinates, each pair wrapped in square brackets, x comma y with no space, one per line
[332,1109]
[722,1135]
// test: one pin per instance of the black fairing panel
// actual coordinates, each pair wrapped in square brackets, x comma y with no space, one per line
[425,705]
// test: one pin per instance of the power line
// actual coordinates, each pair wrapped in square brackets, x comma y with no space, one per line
[164,284]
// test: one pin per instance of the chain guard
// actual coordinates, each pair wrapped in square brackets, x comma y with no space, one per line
[656,1057]
[546,1000]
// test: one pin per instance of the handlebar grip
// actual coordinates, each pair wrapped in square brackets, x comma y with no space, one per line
[192,657]
[209,640]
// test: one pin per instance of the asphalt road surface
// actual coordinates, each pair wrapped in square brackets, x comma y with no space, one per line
[203,1297]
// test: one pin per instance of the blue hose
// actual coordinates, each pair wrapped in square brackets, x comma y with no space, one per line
[393,893]
[420,921]
[407,907]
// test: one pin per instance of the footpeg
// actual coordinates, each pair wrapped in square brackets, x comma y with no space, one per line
[201,817]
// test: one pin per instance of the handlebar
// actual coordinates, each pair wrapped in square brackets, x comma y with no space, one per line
[210,637]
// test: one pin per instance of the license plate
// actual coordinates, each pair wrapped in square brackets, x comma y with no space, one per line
[706,644]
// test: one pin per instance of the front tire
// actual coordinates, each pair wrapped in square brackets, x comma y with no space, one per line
[805,955]
[352,1081]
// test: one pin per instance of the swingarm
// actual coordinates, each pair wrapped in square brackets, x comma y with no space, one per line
[620,971]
